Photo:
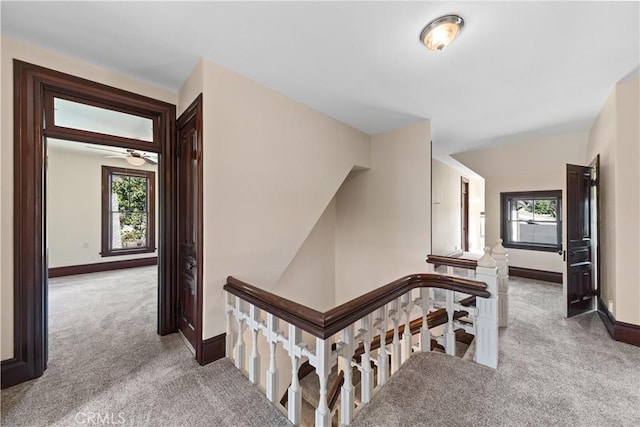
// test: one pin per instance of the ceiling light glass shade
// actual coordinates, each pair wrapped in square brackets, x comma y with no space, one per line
[441,32]
[135,161]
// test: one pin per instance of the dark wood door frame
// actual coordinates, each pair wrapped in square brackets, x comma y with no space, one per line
[596,204]
[32,84]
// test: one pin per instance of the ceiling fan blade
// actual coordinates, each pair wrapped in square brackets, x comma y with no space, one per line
[106,149]
[122,156]
[150,160]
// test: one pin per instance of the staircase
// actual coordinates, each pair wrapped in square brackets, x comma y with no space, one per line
[352,351]
[310,383]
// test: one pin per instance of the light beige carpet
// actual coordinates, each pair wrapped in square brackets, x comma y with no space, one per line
[552,372]
[107,365]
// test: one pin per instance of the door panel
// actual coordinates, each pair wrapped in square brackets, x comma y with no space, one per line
[580,282]
[189,181]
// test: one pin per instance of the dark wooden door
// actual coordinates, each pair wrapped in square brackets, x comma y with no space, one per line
[189,180]
[580,278]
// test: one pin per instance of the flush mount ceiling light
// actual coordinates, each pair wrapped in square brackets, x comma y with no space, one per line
[135,161]
[441,32]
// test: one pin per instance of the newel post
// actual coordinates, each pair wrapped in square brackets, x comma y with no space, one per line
[229,338]
[500,254]
[487,320]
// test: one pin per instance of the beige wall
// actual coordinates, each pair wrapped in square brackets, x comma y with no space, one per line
[310,277]
[271,167]
[383,214]
[602,141]
[628,214]
[74,207]
[28,53]
[525,166]
[191,88]
[615,136]
[446,210]
[446,235]
[476,208]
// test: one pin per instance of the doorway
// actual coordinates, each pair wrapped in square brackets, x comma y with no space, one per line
[35,95]
[464,214]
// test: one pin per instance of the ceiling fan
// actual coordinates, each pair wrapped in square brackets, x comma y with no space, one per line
[133,157]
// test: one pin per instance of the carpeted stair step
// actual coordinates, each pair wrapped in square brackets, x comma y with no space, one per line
[311,385]
[461,349]
[470,353]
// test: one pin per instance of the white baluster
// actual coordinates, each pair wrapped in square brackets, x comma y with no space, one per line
[394,315]
[450,336]
[449,270]
[487,320]
[323,354]
[254,362]
[229,339]
[366,381]
[425,333]
[272,372]
[295,392]
[240,342]
[383,362]
[500,254]
[347,404]
[430,268]
[407,306]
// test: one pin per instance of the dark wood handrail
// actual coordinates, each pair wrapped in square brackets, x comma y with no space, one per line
[324,325]
[305,369]
[436,260]
[334,391]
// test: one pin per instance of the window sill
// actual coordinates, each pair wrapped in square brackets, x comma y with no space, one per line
[127,252]
[532,247]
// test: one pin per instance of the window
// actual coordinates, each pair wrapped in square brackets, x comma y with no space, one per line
[89,118]
[532,220]
[128,211]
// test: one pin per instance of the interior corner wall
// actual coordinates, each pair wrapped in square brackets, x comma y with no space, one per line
[627,178]
[271,167]
[310,277]
[447,211]
[602,141]
[526,166]
[25,52]
[383,214]
[191,88]
[74,229]
[615,136]
[476,211]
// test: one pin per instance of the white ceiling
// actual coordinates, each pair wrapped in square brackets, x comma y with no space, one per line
[518,68]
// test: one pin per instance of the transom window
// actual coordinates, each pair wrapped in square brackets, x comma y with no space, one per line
[532,220]
[128,211]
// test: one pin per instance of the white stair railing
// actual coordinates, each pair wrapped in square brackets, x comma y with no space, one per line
[353,328]
[501,257]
